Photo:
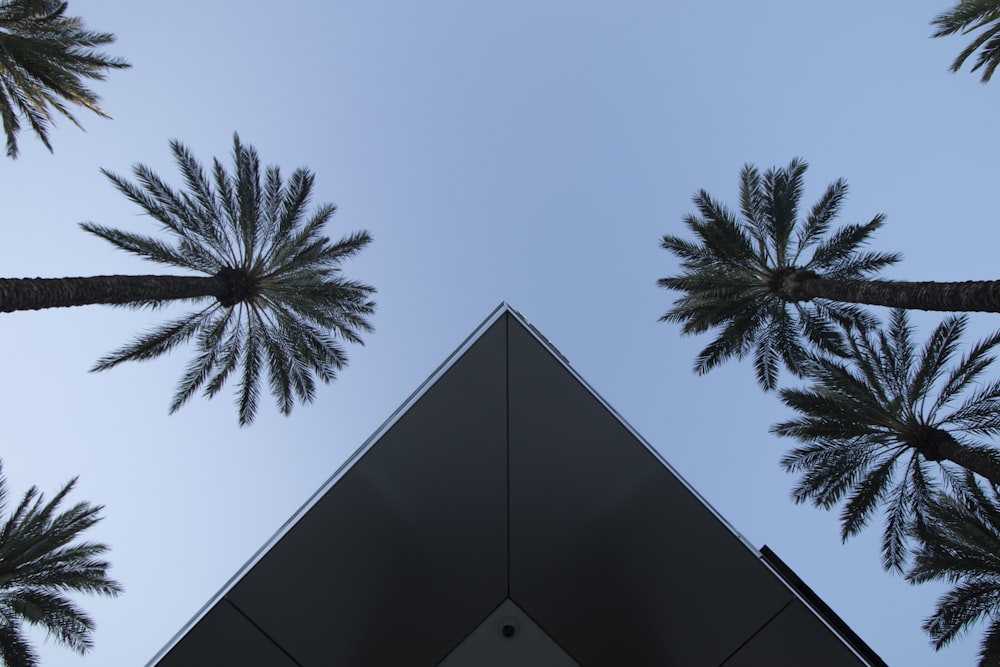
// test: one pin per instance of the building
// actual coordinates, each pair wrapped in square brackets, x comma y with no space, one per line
[506,515]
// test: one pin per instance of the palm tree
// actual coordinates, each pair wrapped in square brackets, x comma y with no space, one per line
[968,16]
[886,428]
[41,561]
[44,58]
[960,543]
[749,276]
[276,299]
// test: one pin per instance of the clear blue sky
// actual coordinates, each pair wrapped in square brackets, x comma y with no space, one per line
[532,152]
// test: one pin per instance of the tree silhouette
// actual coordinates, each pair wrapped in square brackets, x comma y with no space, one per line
[41,561]
[45,56]
[969,16]
[277,302]
[960,544]
[888,427]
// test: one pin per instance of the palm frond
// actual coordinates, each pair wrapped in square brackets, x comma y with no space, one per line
[966,16]
[158,341]
[967,371]
[197,184]
[898,351]
[969,16]
[861,265]
[906,508]
[821,331]
[767,356]
[230,353]
[686,250]
[45,57]
[41,561]
[843,246]
[303,247]
[201,367]
[961,607]
[979,412]
[782,192]
[151,248]
[14,647]
[318,352]
[279,368]
[822,214]
[736,264]
[735,340]
[989,648]
[176,214]
[938,351]
[828,472]
[722,234]
[274,195]
[298,194]
[859,415]
[248,195]
[249,390]
[274,276]
[225,193]
[62,619]
[866,495]
[752,199]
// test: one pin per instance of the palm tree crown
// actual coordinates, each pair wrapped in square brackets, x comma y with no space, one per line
[40,562]
[44,58]
[888,428]
[277,300]
[960,543]
[744,275]
[969,16]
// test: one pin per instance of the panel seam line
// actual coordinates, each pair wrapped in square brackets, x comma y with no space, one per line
[756,632]
[506,361]
[263,632]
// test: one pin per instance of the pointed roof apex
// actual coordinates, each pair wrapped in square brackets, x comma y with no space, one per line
[506,515]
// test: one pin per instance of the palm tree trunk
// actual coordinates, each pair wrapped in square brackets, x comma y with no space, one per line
[978,461]
[38,293]
[973,295]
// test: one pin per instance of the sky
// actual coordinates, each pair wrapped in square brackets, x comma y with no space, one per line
[527,152]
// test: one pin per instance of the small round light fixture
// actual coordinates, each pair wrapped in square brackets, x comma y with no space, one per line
[508,627]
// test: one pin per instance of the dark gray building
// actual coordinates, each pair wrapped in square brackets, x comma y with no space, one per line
[506,515]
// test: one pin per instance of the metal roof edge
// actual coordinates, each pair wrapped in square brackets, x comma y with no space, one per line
[607,406]
[501,309]
[770,560]
[826,614]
